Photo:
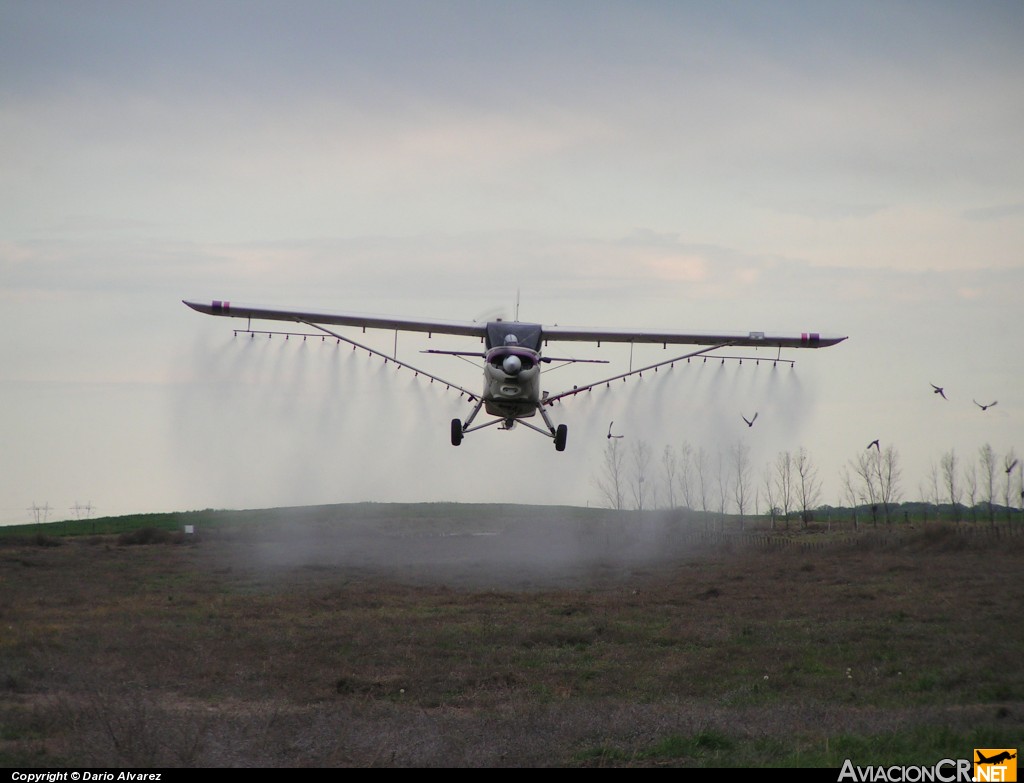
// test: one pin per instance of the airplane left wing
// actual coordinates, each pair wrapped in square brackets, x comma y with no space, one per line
[218,307]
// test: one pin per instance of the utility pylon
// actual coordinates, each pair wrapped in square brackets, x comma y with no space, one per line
[36,510]
[78,508]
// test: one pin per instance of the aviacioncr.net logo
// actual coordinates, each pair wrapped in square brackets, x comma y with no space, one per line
[998,765]
[945,771]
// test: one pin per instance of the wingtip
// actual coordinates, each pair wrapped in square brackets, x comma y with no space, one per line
[208,308]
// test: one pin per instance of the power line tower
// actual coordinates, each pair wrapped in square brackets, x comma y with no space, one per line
[40,511]
[80,508]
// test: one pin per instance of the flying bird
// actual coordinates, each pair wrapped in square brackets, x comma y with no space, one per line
[939,391]
[875,444]
[985,407]
[1010,467]
[610,431]
[750,422]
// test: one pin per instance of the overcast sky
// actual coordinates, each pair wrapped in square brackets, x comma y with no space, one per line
[848,168]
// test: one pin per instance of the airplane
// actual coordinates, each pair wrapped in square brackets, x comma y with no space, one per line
[513,354]
[1004,756]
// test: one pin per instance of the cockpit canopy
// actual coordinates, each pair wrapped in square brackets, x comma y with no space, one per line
[513,333]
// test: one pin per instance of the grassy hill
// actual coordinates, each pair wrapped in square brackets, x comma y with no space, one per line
[492,635]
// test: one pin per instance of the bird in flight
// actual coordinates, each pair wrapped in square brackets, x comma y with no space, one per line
[985,407]
[750,422]
[610,431]
[1010,467]
[939,391]
[875,444]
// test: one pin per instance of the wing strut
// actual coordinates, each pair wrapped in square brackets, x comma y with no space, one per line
[472,396]
[576,390]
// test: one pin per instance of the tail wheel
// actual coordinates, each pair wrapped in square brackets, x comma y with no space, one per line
[456,432]
[560,435]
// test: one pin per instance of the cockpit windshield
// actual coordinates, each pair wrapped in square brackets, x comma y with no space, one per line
[512,333]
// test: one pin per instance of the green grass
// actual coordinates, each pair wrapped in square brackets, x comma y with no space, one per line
[395,636]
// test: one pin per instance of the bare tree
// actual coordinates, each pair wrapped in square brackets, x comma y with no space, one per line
[784,483]
[808,484]
[889,476]
[612,479]
[741,472]
[670,469]
[722,477]
[641,454]
[949,478]
[1011,463]
[932,489]
[768,479]
[685,474]
[849,492]
[1020,485]
[987,457]
[866,469]
[703,477]
[971,483]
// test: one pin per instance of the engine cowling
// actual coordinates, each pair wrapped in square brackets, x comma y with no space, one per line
[512,365]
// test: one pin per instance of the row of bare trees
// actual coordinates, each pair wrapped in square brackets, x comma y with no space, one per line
[873,479]
[978,483]
[699,480]
[724,482]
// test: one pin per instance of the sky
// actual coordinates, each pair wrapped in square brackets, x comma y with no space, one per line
[847,168]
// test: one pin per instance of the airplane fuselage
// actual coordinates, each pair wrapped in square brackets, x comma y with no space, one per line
[512,369]
[511,382]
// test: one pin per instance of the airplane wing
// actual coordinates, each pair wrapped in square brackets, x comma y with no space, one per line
[230,309]
[318,321]
[550,333]
[712,341]
[732,339]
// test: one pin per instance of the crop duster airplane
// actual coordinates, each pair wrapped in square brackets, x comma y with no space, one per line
[512,355]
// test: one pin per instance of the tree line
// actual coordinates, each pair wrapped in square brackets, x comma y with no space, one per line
[789,486]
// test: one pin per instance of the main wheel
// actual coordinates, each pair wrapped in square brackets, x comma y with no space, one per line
[456,432]
[560,435]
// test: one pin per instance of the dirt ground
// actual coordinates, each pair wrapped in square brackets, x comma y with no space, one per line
[508,637]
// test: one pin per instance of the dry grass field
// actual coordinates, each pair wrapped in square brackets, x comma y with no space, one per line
[412,636]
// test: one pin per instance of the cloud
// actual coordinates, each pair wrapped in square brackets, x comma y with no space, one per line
[998,212]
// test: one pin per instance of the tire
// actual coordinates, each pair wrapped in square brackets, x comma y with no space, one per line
[560,435]
[456,432]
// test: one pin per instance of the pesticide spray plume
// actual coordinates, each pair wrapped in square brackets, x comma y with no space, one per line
[313,423]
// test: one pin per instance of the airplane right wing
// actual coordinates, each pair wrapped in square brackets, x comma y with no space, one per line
[736,339]
[318,320]
[710,341]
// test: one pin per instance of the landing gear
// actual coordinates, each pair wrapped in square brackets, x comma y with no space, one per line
[560,435]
